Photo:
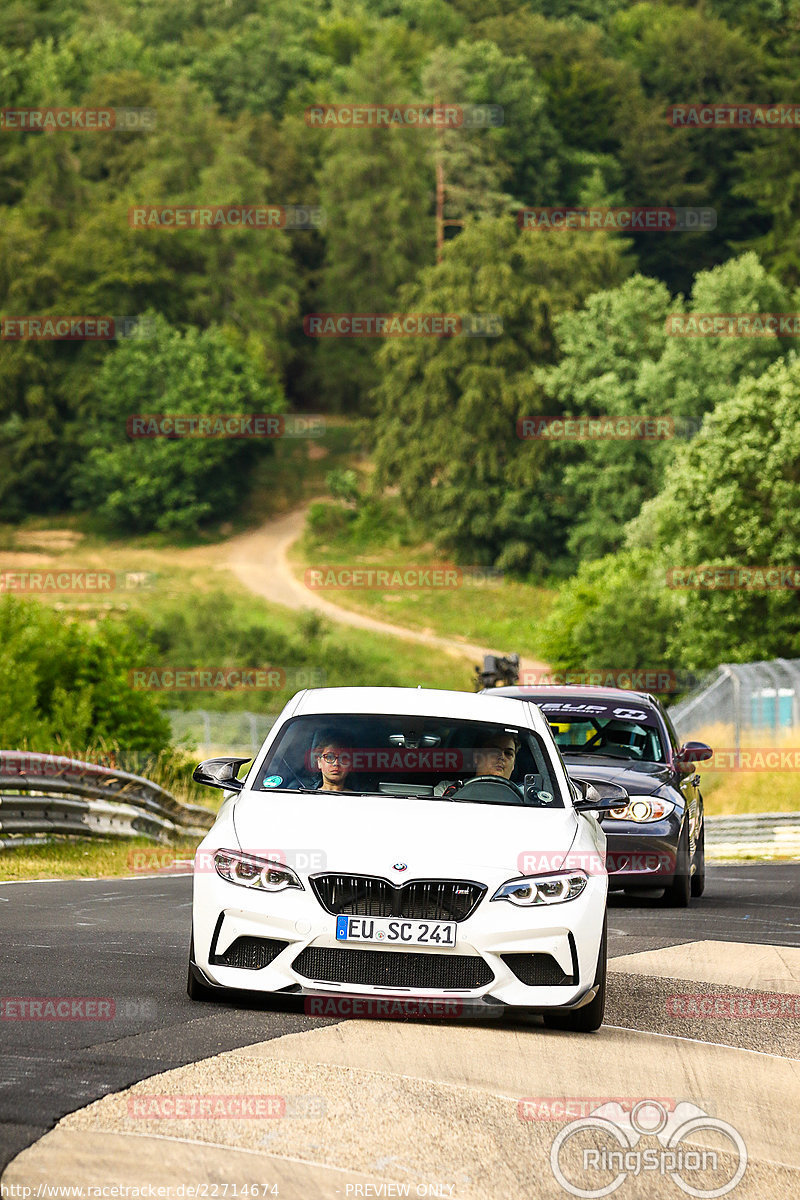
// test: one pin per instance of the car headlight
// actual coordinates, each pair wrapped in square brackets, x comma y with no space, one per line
[251,872]
[642,809]
[543,889]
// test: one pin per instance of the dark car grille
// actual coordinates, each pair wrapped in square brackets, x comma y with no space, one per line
[393,968]
[250,953]
[422,899]
[537,970]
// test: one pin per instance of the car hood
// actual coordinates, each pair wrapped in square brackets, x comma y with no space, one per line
[638,779]
[368,834]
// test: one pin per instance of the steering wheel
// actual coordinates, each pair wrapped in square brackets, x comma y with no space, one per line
[464,793]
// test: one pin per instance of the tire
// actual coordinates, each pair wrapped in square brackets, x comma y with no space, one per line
[699,878]
[196,990]
[679,892]
[590,1017]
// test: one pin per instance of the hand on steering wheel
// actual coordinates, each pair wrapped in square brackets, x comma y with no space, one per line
[482,779]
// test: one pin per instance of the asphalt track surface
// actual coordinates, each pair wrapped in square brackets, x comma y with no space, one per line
[126,940]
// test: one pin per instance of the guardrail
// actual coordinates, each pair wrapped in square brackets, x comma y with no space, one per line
[46,794]
[766,835]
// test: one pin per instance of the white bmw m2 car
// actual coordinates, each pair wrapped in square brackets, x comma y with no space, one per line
[406,843]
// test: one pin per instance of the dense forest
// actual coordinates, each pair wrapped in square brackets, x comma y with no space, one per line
[584,89]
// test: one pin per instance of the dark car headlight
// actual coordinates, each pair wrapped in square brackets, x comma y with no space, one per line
[530,890]
[642,809]
[259,873]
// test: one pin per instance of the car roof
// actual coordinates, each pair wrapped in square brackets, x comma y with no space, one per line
[417,702]
[570,692]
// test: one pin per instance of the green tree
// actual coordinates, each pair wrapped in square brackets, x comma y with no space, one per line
[735,500]
[446,408]
[618,358]
[377,187]
[140,484]
[614,612]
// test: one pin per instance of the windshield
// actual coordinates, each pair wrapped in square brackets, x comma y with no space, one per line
[603,730]
[431,757]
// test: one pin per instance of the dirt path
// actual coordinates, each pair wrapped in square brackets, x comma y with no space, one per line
[259,560]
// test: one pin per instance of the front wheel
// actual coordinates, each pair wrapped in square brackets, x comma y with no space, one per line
[699,877]
[590,1017]
[678,893]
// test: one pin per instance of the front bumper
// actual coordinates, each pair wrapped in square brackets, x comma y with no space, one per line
[642,855]
[494,946]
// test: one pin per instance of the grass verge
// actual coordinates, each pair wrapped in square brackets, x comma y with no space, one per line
[475,605]
[90,858]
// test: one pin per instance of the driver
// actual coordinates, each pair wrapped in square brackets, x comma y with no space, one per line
[496,755]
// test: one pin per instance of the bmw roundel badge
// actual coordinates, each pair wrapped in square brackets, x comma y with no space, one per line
[400,866]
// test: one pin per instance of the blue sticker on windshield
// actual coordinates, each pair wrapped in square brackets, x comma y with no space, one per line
[272,781]
[545,796]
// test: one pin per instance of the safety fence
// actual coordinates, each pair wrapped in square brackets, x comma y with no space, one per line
[220,732]
[46,794]
[753,835]
[754,697]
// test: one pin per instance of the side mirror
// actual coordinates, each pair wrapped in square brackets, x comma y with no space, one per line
[220,773]
[600,796]
[691,753]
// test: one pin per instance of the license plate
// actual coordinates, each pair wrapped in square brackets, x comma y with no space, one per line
[395,931]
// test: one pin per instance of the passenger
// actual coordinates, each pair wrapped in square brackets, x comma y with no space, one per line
[332,757]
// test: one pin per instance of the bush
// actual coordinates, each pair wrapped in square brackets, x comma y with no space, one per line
[64,686]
